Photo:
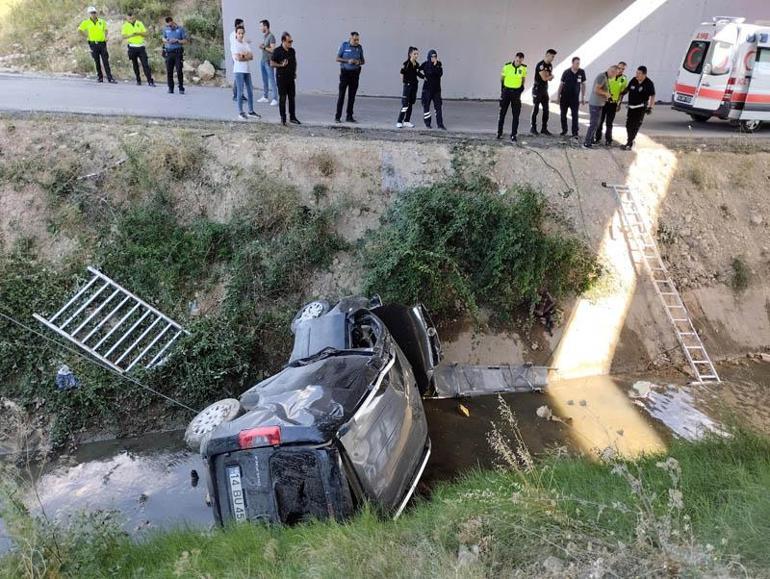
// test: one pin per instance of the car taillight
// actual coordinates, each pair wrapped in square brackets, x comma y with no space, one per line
[261,436]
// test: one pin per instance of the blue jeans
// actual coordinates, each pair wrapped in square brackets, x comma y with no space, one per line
[243,79]
[268,79]
[595,113]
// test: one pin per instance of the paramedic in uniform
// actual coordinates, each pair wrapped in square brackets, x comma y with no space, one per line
[543,73]
[511,85]
[641,100]
[95,30]
[572,92]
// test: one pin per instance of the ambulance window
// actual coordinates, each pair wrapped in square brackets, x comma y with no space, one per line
[696,55]
[720,58]
[763,55]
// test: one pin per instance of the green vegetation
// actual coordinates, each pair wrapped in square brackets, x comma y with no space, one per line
[42,34]
[704,510]
[462,245]
[741,275]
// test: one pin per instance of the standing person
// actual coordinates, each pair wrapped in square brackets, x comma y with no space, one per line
[512,79]
[134,33]
[238,22]
[543,73]
[572,93]
[351,59]
[410,72]
[267,46]
[431,89]
[617,90]
[284,60]
[242,56]
[641,100]
[600,92]
[174,39]
[94,29]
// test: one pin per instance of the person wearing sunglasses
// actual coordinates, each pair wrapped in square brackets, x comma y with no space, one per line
[284,61]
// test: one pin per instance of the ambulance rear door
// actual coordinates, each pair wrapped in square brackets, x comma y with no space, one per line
[716,69]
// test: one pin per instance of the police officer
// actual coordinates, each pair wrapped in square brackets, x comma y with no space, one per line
[95,30]
[543,73]
[511,86]
[617,86]
[351,59]
[134,33]
[174,39]
[641,100]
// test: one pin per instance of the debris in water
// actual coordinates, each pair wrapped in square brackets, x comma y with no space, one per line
[462,409]
[641,389]
[65,379]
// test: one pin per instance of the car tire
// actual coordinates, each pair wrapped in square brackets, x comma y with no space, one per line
[699,118]
[749,126]
[208,419]
[310,311]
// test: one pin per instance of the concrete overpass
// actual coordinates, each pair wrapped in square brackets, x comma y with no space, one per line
[474,39]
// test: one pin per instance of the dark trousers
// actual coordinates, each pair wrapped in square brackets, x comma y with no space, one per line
[540,99]
[510,97]
[572,105]
[634,120]
[137,54]
[608,116]
[408,98]
[101,56]
[349,84]
[286,90]
[174,60]
[433,96]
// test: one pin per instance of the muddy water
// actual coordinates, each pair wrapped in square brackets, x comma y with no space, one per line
[147,479]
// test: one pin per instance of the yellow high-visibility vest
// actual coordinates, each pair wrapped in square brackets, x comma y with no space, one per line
[97,31]
[132,29]
[513,76]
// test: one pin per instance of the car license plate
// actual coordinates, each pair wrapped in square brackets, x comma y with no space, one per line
[236,493]
[683,98]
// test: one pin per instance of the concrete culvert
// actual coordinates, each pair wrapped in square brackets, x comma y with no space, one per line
[209,418]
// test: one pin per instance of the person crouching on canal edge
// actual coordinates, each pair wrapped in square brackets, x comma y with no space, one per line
[511,86]
[174,39]
[351,59]
[134,33]
[543,73]
[431,89]
[284,61]
[410,72]
[242,56]
[95,31]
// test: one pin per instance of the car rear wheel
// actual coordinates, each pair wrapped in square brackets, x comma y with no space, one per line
[208,419]
[699,118]
[750,126]
[310,311]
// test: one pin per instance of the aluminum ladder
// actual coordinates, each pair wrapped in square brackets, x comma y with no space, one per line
[115,326]
[639,237]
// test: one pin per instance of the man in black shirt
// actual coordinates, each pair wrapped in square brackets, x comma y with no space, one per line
[543,73]
[641,100]
[284,61]
[572,91]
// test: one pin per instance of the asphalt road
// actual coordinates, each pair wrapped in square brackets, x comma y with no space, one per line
[27,93]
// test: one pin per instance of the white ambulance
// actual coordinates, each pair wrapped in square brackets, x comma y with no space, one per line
[726,73]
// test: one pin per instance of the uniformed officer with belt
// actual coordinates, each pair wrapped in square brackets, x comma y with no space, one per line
[512,85]
[134,33]
[95,30]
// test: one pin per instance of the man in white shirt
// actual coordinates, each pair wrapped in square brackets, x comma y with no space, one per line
[242,55]
[238,22]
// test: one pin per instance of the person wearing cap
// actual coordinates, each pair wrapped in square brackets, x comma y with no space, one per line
[94,29]
[512,78]
[134,33]
[174,39]
[543,73]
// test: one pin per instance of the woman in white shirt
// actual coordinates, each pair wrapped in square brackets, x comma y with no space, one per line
[242,55]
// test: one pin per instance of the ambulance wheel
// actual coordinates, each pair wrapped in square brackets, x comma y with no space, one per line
[750,126]
[208,419]
[699,118]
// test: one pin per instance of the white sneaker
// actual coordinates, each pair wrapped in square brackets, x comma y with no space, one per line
[262,100]
[408,124]
[399,125]
[273,103]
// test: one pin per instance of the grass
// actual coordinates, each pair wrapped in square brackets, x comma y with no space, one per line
[461,245]
[618,518]
[741,275]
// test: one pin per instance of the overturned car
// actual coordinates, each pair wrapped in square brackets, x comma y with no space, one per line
[343,423]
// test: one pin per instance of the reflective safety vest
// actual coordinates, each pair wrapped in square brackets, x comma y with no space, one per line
[617,85]
[97,31]
[134,39]
[513,76]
